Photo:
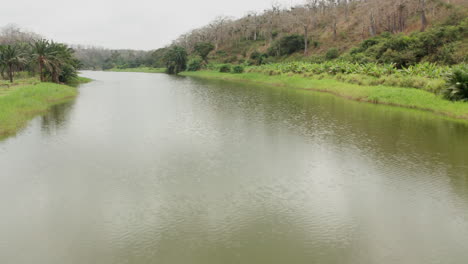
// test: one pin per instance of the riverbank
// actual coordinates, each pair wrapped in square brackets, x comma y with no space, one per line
[140,69]
[388,95]
[26,98]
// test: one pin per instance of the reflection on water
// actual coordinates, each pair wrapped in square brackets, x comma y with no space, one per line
[146,168]
[56,118]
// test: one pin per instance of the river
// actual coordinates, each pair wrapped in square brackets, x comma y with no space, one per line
[150,168]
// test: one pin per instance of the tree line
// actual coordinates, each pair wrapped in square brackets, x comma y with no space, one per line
[25,51]
[96,58]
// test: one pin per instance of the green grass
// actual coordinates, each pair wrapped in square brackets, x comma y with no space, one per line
[79,80]
[26,98]
[140,69]
[396,96]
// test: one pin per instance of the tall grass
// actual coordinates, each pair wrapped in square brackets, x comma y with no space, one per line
[426,76]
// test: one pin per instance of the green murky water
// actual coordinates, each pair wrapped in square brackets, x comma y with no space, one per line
[150,168]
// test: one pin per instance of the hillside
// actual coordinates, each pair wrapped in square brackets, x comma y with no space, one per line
[325,25]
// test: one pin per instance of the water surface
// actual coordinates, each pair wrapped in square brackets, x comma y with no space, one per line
[151,168]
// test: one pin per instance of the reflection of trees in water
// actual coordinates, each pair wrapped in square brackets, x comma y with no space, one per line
[391,135]
[56,118]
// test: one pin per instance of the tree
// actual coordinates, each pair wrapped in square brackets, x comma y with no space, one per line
[287,45]
[203,49]
[11,58]
[43,54]
[422,6]
[55,60]
[176,59]
[61,62]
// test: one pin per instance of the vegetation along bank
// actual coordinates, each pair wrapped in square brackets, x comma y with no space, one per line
[35,74]
[26,98]
[381,94]
[403,53]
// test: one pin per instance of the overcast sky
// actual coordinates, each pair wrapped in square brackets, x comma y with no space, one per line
[118,24]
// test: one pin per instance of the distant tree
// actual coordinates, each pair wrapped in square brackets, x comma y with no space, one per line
[11,58]
[176,59]
[203,49]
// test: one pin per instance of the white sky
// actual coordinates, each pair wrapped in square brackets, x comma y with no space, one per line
[118,24]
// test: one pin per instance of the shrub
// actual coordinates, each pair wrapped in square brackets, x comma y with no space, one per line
[176,59]
[203,49]
[258,58]
[438,44]
[230,59]
[287,45]
[332,53]
[315,44]
[195,63]
[458,84]
[238,69]
[225,68]
[399,58]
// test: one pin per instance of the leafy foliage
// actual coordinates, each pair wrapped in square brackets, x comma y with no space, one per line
[238,69]
[428,70]
[258,58]
[427,76]
[458,84]
[433,45]
[332,53]
[287,45]
[225,68]
[203,49]
[176,60]
[195,63]
[54,61]
[11,59]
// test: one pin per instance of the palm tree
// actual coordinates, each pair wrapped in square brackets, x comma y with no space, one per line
[43,54]
[55,60]
[61,59]
[11,58]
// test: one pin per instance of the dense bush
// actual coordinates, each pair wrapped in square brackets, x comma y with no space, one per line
[176,60]
[427,70]
[332,53]
[434,45]
[258,58]
[225,68]
[458,84]
[203,49]
[238,69]
[195,63]
[287,45]
[427,76]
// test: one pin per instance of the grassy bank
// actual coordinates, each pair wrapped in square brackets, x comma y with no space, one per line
[140,69]
[79,80]
[26,98]
[396,96]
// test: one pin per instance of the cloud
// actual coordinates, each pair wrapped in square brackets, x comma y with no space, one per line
[136,24]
